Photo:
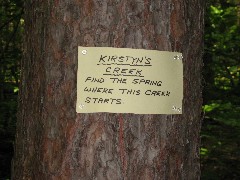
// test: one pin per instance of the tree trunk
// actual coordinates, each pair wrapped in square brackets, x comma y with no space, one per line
[54,142]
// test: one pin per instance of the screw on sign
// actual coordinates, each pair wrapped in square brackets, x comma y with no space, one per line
[84,52]
[81,106]
[178,57]
[174,108]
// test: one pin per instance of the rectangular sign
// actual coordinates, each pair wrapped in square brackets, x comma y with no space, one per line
[123,80]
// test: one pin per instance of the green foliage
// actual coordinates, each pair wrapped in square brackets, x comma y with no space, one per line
[222,50]
[11,30]
[220,134]
[226,113]
[220,150]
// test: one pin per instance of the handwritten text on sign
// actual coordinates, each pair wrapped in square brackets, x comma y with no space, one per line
[122,80]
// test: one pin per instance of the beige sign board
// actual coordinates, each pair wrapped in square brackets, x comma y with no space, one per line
[123,80]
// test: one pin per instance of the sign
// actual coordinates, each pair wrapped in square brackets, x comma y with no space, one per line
[123,80]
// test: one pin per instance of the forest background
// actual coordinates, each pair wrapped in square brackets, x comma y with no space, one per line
[220,134]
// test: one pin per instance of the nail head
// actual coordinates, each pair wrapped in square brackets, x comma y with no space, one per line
[84,52]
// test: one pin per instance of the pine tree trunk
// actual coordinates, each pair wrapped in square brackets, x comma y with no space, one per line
[54,142]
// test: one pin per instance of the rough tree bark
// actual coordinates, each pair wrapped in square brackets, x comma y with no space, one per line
[54,142]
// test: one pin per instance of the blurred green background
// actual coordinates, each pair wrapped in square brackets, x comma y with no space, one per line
[220,135]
